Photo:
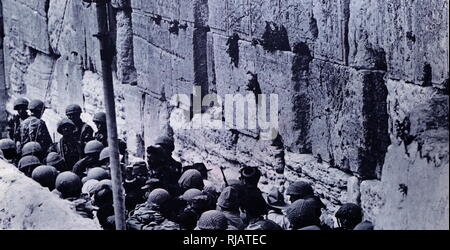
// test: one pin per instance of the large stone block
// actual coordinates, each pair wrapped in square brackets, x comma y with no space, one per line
[416,193]
[18,58]
[280,73]
[412,34]
[38,77]
[415,174]
[295,16]
[327,83]
[71,30]
[126,72]
[163,68]
[68,80]
[27,21]
[349,118]
[332,30]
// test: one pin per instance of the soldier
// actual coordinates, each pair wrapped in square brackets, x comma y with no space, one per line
[46,176]
[33,148]
[33,129]
[69,186]
[299,190]
[191,179]
[28,163]
[92,152]
[13,127]
[277,205]
[102,134]
[96,174]
[104,158]
[212,220]
[164,168]
[103,199]
[302,215]
[253,205]
[55,160]
[199,167]
[135,185]
[152,215]
[228,204]
[102,131]
[163,148]
[303,190]
[83,133]
[8,149]
[252,201]
[68,147]
[104,162]
[349,216]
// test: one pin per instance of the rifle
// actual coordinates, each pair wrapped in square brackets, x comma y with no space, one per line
[224,177]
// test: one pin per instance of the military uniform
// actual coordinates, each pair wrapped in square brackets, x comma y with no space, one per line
[69,150]
[35,130]
[13,128]
[82,166]
[13,125]
[102,136]
[84,133]
[146,217]
[168,175]
[83,206]
[134,193]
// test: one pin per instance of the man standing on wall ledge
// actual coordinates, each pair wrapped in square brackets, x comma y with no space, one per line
[13,128]
[83,133]
[34,129]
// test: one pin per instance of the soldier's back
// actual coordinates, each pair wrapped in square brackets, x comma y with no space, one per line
[34,129]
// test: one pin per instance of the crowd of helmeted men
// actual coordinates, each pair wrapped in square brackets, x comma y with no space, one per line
[160,193]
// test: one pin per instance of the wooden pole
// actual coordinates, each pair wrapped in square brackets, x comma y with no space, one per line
[106,53]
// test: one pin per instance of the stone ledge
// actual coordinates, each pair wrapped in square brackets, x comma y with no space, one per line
[24,204]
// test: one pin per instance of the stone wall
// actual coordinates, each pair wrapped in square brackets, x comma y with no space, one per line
[361,84]
[25,205]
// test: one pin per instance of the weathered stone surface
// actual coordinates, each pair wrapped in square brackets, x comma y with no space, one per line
[323,22]
[415,174]
[329,183]
[416,193]
[341,69]
[27,21]
[38,77]
[419,114]
[353,190]
[349,118]
[126,71]
[71,28]
[412,34]
[279,73]
[3,90]
[25,205]
[18,58]
[173,71]
[371,199]
[68,76]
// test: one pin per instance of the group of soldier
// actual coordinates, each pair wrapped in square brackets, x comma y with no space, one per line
[160,194]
